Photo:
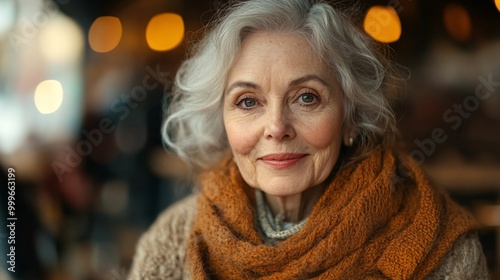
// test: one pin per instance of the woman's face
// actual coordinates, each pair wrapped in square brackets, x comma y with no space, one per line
[282,114]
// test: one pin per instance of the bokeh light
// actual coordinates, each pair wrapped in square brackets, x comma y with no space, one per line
[383,24]
[165,31]
[497,3]
[48,96]
[7,15]
[105,34]
[15,127]
[457,22]
[61,41]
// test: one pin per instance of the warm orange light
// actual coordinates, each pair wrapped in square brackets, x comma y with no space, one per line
[383,24]
[497,3]
[105,34]
[165,31]
[457,22]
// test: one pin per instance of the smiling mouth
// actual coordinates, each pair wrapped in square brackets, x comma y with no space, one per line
[282,161]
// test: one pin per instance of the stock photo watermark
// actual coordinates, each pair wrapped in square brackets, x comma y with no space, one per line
[454,118]
[122,106]
[11,219]
[29,27]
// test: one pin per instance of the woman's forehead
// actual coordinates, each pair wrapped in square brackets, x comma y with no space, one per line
[278,54]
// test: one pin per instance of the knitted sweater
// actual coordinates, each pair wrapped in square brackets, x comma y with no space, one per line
[161,251]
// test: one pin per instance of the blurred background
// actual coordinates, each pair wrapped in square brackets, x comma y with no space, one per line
[82,88]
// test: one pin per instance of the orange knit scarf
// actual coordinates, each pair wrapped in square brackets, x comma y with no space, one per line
[367,225]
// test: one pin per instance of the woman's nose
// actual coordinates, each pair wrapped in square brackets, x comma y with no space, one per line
[279,125]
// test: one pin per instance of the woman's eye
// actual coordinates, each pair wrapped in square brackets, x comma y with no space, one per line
[247,103]
[307,99]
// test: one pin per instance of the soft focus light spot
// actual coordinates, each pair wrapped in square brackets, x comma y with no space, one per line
[488,215]
[7,15]
[497,3]
[167,165]
[457,22]
[165,31]
[48,96]
[383,24]
[105,34]
[14,124]
[114,197]
[61,41]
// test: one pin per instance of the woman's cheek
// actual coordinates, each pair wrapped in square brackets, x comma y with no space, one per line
[242,136]
[322,132]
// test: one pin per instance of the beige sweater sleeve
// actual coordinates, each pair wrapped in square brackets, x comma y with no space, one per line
[465,261]
[161,251]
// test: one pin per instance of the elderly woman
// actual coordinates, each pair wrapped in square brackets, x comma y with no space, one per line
[284,104]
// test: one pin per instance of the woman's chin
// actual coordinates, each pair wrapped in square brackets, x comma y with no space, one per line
[281,190]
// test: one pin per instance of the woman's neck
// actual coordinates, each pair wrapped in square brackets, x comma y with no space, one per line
[295,207]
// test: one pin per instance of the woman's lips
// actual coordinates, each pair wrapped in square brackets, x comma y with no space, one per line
[282,161]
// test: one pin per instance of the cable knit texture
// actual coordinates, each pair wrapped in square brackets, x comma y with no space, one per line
[161,251]
[367,225]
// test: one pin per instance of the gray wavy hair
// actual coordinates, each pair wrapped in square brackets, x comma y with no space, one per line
[194,127]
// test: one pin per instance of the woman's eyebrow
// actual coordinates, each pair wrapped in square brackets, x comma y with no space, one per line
[242,84]
[295,82]
[307,78]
